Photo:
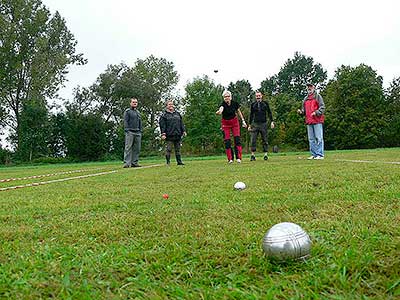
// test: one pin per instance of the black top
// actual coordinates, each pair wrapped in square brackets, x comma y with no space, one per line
[229,110]
[171,124]
[258,112]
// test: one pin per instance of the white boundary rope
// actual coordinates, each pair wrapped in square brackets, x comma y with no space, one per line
[47,175]
[369,161]
[68,178]
[55,180]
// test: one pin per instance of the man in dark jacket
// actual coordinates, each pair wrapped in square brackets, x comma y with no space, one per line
[172,130]
[133,135]
[314,107]
[258,124]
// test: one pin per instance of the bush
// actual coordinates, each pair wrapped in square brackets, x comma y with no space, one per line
[5,156]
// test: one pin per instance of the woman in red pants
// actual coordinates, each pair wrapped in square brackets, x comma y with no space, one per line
[229,110]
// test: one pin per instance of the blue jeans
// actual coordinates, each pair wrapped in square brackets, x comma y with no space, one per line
[316,139]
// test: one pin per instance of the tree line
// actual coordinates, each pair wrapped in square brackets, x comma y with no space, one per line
[36,49]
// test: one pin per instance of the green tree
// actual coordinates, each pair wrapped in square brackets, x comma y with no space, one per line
[34,130]
[85,136]
[152,80]
[57,133]
[36,49]
[296,72]
[110,92]
[203,126]
[391,134]
[354,108]
[286,90]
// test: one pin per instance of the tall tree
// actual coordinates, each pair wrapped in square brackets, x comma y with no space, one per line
[36,49]
[391,136]
[34,130]
[110,92]
[354,108]
[286,90]
[152,80]
[202,100]
[296,72]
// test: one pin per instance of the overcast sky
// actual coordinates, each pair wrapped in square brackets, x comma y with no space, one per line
[242,39]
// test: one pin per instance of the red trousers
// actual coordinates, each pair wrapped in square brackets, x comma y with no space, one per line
[227,126]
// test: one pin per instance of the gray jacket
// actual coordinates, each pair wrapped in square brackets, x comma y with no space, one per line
[132,121]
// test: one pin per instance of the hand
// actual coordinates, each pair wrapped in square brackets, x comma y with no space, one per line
[313,114]
[244,124]
[272,125]
[184,133]
[249,128]
[299,111]
[163,136]
[219,111]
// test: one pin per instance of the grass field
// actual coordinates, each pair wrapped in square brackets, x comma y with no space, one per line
[114,237]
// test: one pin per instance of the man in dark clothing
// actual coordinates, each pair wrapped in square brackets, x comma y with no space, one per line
[133,135]
[172,130]
[258,124]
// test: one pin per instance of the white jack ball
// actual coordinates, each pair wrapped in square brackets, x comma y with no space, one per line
[239,185]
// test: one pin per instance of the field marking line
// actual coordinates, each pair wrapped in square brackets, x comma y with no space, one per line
[48,175]
[369,161]
[69,178]
[55,180]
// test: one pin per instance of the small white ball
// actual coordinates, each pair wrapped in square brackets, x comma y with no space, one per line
[239,185]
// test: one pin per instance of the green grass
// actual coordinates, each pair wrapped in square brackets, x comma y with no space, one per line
[115,237]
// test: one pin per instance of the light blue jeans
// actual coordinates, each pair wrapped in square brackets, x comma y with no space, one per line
[316,139]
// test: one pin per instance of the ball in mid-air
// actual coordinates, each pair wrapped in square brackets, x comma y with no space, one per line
[165,196]
[239,185]
[286,241]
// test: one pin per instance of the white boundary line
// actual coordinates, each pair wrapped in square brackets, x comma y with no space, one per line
[68,178]
[369,161]
[48,175]
[55,180]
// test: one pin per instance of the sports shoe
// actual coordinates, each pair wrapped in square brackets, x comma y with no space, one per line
[252,158]
[231,161]
[311,157]
[126,166]
[239,160]
[265,156]
[180,164]
[319,157]
[136,166]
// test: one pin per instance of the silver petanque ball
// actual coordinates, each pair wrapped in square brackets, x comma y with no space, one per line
[286,241]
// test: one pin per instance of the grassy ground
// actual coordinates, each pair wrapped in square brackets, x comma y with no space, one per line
[115,237]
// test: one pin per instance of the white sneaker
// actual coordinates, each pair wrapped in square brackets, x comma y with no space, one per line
[231,161]
[319,157]
[311,157]
[238,161]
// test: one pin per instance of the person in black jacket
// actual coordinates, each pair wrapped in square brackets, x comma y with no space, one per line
[258,124]
[172,130]
[133,135]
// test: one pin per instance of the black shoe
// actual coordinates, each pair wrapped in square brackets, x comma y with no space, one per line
[181,163]
[252,158]
[126,166]
[265,157]
[136,166]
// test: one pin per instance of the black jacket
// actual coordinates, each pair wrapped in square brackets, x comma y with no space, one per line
[171,124]
[258,112]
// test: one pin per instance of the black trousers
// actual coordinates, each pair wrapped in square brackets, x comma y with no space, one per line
[259,128]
